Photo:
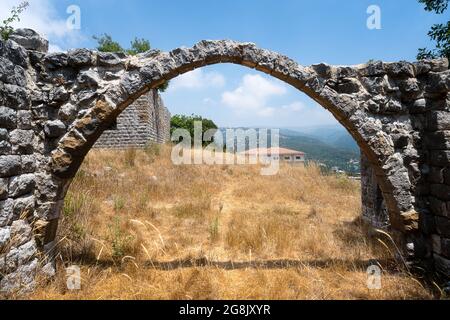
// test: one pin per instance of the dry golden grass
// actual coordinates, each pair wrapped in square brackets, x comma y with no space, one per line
[142,228]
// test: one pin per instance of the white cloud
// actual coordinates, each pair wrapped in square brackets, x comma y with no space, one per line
[42,16]
[54,48]
[253,95]
[295,106]
[198,79]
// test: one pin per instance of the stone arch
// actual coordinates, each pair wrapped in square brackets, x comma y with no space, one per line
[56,105]
[337,89]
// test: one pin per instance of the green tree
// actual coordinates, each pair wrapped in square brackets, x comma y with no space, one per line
[139,46]
[5,28]
[440,33]
[187,122]
[105,43]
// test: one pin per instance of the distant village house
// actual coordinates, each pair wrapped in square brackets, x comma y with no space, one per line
[277,154]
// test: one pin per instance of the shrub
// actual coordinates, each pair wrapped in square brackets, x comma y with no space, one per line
[121,241]
[6,29]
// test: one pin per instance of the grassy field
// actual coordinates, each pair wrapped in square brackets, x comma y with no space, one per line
[141,228]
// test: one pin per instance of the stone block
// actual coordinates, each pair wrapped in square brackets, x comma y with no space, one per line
[80,58]
[10,166]
[21,233]
[442,264]
[440,158]
[21,185]
[28,163]
[438,140]
[438,120]
[5,145]
[436,175]
[54,128]
[24,206]
[5,236]
[436,243]
[22,141]
[440,191]
[439,207]
[6,212]
[8,118]
[24,119]
[3,188]
[445,247]
[29,39]
[443,226]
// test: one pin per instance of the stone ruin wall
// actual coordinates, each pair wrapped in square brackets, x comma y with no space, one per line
[373,207]
[146,120]
[54,106]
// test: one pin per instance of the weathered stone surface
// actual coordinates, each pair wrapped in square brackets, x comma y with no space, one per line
[441,191]
[56,60]
[16,96]
[427,223]
[8,118]
[54,129]
[58,95]
[438,140]
[24,206]
[24,119]
[439,207]
[20,256]
[6,212]
[440,158]
[68,112]
[436,175]
[10,166]
[401,69]
[445,247]
[5,236]
[22,141]
[80,58]
[5,145]
[15,53]
[22,280]
[443,226]
[419,106]
[21,232]
[107,59]
[29,39]
[438,120]
[21,185]
[28,163]
[3,188]
[442,264]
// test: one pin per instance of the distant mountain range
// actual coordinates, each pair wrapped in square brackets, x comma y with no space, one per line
[332,146]
[336,136]
[329,145]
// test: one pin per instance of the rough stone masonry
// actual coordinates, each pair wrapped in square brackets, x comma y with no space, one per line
[54,107]
[145,121]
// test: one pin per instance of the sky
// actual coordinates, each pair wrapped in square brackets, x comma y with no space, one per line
[331,31]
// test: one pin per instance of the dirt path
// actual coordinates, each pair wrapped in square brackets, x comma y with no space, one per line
[225,204]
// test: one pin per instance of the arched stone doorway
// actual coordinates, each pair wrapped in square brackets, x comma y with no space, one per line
[390,109]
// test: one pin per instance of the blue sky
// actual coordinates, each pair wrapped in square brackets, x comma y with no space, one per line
[329,31]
